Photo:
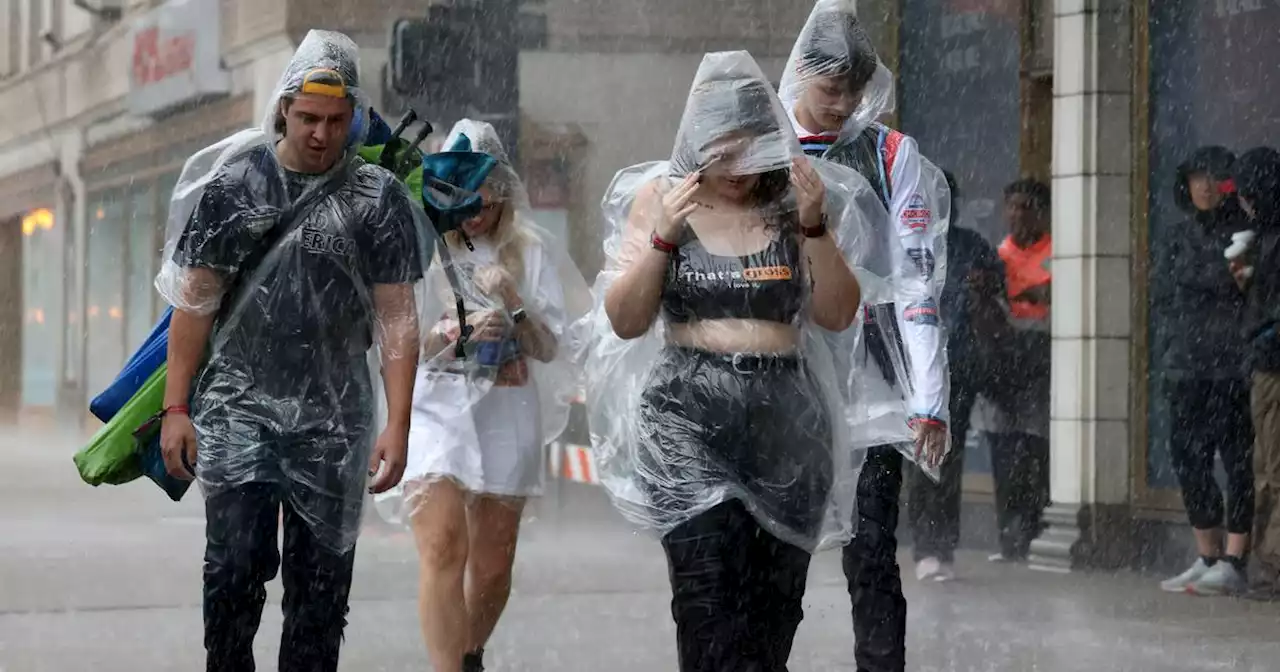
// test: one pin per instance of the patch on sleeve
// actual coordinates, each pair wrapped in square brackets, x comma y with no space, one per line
[922,312]
[924,261]
[917,214]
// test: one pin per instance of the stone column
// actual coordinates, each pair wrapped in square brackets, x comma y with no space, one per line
[1092,159]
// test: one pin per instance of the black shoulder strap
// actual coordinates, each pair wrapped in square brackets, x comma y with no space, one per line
[289,219]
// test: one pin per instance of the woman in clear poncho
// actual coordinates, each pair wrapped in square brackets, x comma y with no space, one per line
[480,423]
[714,412]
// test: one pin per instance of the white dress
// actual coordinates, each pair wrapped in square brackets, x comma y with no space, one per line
[491,442]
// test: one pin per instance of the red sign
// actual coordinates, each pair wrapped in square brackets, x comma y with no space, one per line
[156,59]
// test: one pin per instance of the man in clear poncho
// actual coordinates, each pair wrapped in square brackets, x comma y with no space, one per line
[835,87]
[287,259]
[732,279]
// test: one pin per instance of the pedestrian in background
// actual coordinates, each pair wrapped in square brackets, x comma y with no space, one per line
[1257,176]
[975,283]
[1015,416]
[1199,343]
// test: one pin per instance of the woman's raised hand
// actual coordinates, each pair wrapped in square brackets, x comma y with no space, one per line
[677,205]
[810,192]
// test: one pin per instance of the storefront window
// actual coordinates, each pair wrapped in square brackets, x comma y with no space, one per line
[41,304]
[107,261]
[143,254]
[1212,67]
[959,96]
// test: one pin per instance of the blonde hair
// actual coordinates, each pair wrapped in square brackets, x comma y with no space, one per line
[508,236]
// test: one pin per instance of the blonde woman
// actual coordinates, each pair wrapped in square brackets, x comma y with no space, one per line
[480,423]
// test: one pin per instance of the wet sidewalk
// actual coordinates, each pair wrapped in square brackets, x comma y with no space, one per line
[1010,618]
[108,580]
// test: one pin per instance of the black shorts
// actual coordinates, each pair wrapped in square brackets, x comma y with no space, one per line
[756,428]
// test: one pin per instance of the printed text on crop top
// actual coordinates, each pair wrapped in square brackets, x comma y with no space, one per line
[765,285]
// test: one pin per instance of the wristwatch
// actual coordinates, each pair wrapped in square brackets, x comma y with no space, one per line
[518,315]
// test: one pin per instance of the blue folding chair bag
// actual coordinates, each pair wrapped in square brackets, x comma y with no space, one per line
[140,366]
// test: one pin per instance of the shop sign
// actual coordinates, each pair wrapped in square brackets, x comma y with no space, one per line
[176,56]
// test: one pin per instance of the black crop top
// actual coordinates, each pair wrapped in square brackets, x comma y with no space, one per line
[766,285]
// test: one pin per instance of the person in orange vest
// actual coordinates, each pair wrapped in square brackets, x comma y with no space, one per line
[1027,250]
[1014,415]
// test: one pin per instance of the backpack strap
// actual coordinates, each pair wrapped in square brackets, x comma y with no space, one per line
[290,219]
[885,191]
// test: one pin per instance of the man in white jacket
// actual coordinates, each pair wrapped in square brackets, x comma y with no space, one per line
[834,88]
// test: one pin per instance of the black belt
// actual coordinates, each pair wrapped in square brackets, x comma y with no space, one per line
[747,362]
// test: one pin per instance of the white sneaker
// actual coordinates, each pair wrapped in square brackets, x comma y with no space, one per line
[933,569]
[927,568]
[1222,579]
[1179,583]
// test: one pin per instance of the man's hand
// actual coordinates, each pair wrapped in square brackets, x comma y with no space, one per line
[178,445]
[931,443]
[390,454]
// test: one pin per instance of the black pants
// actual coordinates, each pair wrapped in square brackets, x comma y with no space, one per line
[871,566]
[736,592]
[241,557]
[934,508]
[1212,417]
[1020,469]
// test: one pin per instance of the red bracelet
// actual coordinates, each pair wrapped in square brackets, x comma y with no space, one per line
[180,410]
[917,420]
[657,243]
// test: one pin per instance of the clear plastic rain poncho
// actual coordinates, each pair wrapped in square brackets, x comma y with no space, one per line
[677,431]
[484,419]
[305,274]
[835,73]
